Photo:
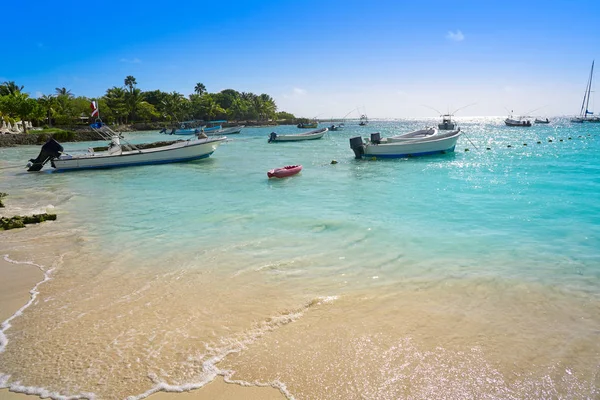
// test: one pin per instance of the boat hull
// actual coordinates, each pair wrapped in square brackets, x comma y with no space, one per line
[445,143]
[285,171]
[514,122]
[178,152]
[318,134]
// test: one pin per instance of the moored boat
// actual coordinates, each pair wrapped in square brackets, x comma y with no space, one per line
[541,121]
[584,113]
[122,156]
[284,172]
[312,135]
[517,122]
[447,124]
[416,143]
[308,125]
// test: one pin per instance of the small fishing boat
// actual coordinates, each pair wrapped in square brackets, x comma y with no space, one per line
[312,135]
[510,121]
[118,155]
[541,121]
[284,172]
[234,130]
[416,143]
[447,123]
[364,120]
[185,128]
[308,125]
[337,127]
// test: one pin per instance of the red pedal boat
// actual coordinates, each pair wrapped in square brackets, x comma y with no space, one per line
[288,170]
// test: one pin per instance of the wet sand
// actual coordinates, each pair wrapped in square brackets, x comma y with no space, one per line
[16,282]
[216,390]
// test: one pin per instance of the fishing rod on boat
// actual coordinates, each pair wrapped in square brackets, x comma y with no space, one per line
[434,109]
[462,108]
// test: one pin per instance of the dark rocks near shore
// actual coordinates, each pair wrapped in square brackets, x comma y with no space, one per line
[32,138]
[19,221]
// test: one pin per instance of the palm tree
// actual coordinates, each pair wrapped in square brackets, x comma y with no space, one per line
[268,106]
[64,92]
[173,105]
[115,100]
[133,100]
[9,88]
[130,82]
[47,102]
[200,88]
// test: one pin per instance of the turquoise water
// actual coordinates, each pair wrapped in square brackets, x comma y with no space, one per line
[510,211]
[536,205]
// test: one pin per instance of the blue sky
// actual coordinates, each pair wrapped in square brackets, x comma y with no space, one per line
[316,58]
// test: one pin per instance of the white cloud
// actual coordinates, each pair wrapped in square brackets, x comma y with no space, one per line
[455,36]
[295,93]
[299,91]
[131,60]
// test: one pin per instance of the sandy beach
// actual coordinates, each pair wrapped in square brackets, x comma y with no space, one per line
[16,282]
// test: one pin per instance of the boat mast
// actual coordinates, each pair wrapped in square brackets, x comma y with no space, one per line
[589,90]
[586,96]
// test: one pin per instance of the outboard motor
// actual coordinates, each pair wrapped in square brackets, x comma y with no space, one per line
[357,145]
[51,150]
[163,130]
[375,138]
[272,137]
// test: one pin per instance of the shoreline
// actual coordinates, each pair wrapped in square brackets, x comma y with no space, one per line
[17,281]
[85,134]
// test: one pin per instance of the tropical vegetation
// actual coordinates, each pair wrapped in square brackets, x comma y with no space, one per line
[128,104]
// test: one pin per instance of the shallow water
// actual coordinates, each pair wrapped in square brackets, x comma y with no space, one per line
[474,274]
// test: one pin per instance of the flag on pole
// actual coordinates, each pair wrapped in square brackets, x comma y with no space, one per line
[94,107]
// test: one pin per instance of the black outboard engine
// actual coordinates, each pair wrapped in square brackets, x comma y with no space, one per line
[51,150]
[272,137]
[357,145]
[375,138]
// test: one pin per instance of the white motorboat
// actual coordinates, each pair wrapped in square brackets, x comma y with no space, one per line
[234,130]
[447,123]
[118,155]
[416,143]
[510,121]
[316,134]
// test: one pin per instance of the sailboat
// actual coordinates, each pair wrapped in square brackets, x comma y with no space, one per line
[584,112]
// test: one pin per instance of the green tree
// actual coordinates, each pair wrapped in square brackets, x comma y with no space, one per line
[63,92]
[268,108]
[210,109]
[130,82]
[10,88]
[48,102]
[226,97]
[21,106]
[200,89]
[174,106]
[146,112]
[282,115]
[65,112]
[115,101]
